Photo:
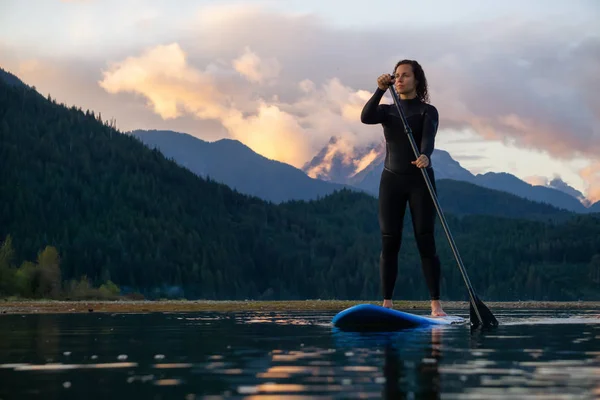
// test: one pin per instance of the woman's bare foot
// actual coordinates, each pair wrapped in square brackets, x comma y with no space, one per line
[436,309]
[388,304]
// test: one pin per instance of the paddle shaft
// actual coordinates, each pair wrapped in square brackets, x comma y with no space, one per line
[437,204]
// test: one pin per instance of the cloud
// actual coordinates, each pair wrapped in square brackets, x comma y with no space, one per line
[162,75]
[247,70]
[529,83]
[591,174]
[533,82]
[255,69]
[172,87]
[470,157]
[545,102]
[74,82]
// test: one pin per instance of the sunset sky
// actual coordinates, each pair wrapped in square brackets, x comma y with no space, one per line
[516,84]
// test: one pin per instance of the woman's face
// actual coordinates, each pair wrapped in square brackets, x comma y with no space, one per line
[405,82]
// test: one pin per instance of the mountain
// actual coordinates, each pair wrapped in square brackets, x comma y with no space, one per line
[338,166]
[445,168]
[464,198]
[115,209]
[233,163]
[340,162]
[512,184]
[557,195]
[448,168]
[559,184]
[344,163]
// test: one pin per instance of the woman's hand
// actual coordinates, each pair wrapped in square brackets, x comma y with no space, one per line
[384,81]
[421,162]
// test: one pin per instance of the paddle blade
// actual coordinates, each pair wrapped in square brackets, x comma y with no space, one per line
[485,313]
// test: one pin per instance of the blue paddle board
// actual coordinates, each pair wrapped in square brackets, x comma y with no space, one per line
[370,317]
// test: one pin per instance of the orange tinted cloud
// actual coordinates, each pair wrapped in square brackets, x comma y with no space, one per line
[172,87]
[591,174]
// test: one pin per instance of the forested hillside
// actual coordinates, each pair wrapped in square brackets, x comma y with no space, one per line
[117,211]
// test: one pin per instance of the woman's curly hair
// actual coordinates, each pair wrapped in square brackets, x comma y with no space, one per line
[422,90]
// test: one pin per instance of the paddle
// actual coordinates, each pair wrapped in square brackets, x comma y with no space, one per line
[478,312]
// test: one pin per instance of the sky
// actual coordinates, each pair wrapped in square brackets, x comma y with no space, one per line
[515,84]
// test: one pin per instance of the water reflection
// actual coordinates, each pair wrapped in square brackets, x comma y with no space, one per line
[408,362]
[292,355]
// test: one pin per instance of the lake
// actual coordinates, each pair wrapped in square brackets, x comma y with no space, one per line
[296,355]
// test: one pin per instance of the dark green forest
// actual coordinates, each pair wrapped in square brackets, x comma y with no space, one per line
[83,204]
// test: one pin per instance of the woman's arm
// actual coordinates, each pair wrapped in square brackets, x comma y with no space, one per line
[430,126]
[373,112]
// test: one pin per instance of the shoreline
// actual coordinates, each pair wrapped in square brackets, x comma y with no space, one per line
[9,306]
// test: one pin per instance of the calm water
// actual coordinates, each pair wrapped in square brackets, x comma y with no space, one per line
[533,354]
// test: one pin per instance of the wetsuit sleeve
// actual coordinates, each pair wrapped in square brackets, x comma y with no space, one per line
[373,112]
[430,125]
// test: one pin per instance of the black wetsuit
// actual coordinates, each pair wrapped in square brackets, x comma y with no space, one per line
[402,183]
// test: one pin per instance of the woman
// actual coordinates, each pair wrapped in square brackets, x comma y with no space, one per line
[401,180]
